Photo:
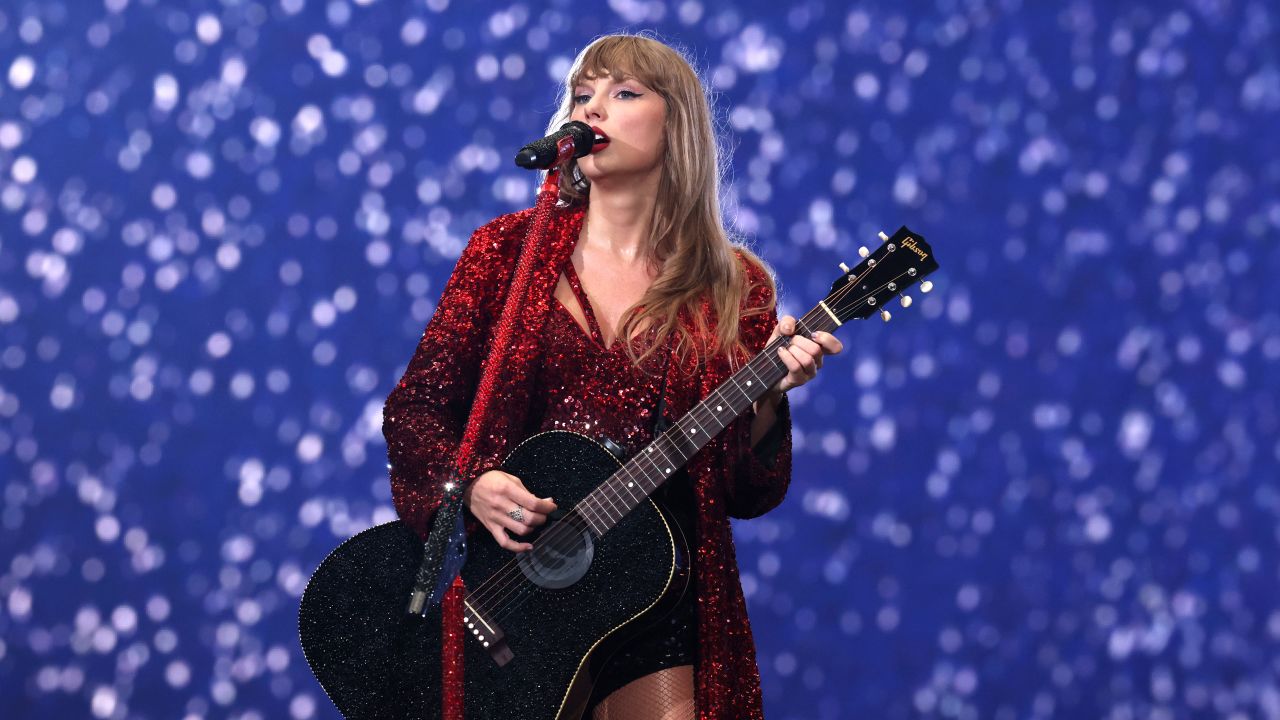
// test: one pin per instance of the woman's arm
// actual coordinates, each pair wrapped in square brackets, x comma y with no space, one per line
[760,441]
[426,412]
[803,358]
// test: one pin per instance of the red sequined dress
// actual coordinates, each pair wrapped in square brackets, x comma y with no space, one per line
[567,379]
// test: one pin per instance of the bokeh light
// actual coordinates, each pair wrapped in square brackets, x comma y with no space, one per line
[1049,489]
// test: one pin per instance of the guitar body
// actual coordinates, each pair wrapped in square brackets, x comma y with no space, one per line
[375,660]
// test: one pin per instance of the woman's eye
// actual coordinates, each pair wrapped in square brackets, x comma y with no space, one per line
[628,94]
[581,99]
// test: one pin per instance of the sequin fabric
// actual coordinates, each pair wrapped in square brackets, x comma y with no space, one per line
[425,414]
[587,388]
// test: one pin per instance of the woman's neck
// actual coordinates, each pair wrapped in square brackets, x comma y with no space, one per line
[619,221]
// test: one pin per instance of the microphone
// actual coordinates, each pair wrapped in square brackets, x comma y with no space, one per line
[574,139]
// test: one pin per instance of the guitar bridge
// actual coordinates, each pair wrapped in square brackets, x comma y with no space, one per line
[488,633]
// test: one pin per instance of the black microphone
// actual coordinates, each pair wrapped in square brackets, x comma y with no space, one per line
[574,139]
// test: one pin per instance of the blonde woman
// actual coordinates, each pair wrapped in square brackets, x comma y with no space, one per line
[649,306]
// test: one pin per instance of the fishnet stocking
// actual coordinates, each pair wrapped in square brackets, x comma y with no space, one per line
[663,695]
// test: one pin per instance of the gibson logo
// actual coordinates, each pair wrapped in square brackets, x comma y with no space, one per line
[910,244]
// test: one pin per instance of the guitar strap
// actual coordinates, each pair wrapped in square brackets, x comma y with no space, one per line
[660,423]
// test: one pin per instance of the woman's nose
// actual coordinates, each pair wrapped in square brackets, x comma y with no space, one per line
[594,108]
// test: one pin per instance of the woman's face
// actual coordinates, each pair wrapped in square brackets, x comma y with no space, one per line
[632,116]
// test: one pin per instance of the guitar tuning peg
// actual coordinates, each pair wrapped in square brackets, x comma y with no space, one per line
[844,268]
[926,286]
[884,315]
[883,237]
[906,301]
[863,251]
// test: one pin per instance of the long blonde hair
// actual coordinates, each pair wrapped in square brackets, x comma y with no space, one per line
[688,240]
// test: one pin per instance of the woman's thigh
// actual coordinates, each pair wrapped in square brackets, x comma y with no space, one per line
[663,695]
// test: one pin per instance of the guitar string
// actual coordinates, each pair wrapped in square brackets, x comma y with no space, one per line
[488,592]
[508,604]
[625,474]
[511,604]
[511,574]
[595,502]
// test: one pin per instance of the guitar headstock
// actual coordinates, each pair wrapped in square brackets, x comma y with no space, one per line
[885,273]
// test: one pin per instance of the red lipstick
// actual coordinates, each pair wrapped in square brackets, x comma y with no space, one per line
[601,139]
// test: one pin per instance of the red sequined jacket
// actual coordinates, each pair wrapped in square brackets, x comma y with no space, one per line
[427,411]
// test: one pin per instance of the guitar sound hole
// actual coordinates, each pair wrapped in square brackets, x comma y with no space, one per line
[560,558]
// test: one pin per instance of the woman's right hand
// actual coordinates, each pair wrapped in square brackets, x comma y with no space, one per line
[495,494]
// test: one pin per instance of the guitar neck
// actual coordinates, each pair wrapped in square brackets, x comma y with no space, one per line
[901,261]
[648,469]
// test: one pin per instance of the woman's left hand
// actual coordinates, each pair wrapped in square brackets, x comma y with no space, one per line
[803,357]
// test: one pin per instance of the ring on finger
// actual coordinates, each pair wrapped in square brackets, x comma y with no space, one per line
[516,513]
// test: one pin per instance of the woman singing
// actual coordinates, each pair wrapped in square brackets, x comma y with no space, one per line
[648,307]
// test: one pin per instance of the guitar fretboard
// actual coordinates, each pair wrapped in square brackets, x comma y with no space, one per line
[645,472]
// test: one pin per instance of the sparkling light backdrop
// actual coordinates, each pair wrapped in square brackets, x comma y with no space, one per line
[1047,490]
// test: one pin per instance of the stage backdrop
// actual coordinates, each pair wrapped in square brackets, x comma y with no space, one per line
[1048,489]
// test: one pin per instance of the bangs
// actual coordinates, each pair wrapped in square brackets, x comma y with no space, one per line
[620,57]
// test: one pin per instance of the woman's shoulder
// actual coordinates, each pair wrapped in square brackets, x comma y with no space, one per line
[501,234]
[496,244]
[758,284]
[513,223]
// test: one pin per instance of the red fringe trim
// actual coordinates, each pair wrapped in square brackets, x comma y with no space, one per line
[451,651]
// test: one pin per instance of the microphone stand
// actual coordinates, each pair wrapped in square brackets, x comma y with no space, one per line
[435,565]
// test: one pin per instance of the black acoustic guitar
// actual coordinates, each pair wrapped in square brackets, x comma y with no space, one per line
[540,625]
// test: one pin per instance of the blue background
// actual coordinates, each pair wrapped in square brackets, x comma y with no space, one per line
[1046,490]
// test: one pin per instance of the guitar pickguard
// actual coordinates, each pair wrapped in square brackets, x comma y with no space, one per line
[558,565]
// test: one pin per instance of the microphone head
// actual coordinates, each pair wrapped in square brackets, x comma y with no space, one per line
[546,152]
[584,138]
